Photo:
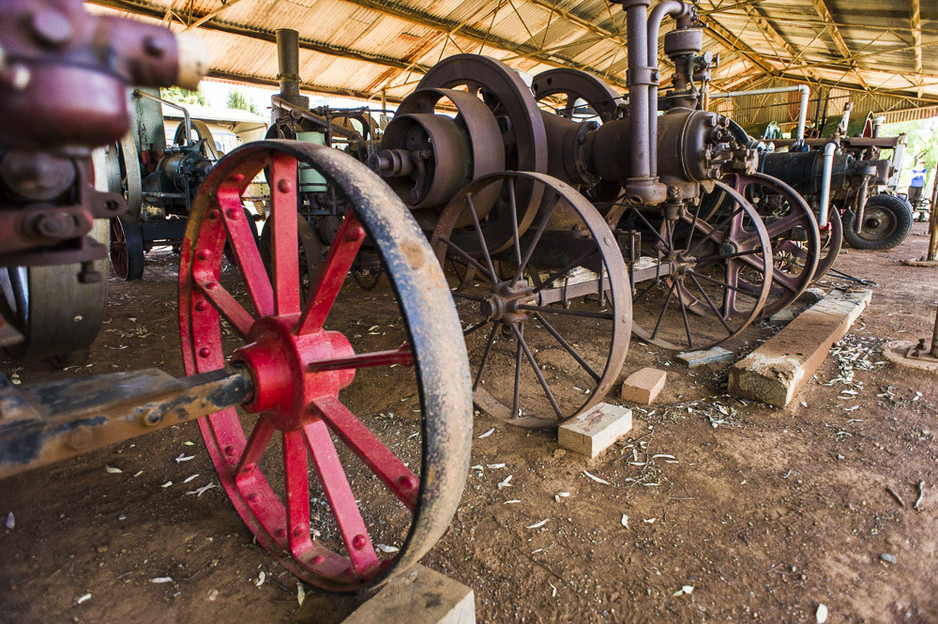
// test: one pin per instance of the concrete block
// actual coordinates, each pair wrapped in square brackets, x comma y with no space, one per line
[644,386]
[594,431]
[782,316]
[418,596]
[774,372]
[710,356]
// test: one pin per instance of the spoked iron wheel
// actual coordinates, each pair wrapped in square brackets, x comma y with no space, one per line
[793,230]
[832,239]
[126,248]
[719,277]
[323,387]
[546,320]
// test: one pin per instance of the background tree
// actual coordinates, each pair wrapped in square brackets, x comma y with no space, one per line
[236,99]
[183,96]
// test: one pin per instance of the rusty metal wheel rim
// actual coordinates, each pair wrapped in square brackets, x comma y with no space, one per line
[696,309]
[576,85]
[506,95]
[126,248]
[542,336]
[795,263]
[286,348]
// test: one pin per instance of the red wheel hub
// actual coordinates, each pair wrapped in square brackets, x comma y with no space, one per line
[279,362]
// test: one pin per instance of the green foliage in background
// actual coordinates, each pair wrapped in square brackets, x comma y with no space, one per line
[182,96]
[923,144]
[236,99]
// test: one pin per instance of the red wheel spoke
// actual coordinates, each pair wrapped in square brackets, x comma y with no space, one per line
[339,494]
[249,257]
[296,474]
[385,464]
[227,306]
[325,288]
[257,443]
[400,356]
[285,251]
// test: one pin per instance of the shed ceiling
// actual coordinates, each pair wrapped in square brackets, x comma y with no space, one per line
[363,48]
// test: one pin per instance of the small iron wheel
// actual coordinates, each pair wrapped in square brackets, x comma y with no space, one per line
[719,276]
[528,307]
[793,230]
[126,248]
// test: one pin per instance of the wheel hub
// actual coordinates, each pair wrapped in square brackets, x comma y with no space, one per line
[502,304]
[278,360]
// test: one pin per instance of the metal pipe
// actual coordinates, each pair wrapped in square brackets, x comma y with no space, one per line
[185,113]
[639,78]
[802,111]
[279,102]
[288,61]
[829,150]
[676,9]
[845,118]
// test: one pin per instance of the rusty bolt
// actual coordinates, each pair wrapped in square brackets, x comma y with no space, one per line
[80,438]
[152,417]
[56,225]
[51,28]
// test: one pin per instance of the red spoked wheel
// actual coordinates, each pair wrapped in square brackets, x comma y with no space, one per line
[323,385]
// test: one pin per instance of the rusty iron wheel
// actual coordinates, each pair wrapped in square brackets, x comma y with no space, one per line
[126,248]
[547,320]
[832,239]
[369,510]
[718,279]
[793,230]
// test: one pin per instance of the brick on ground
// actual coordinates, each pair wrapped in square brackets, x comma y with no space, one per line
[594,431]
[708,356]
[418,596]
[644,386]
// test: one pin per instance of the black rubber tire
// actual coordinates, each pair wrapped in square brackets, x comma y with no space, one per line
[889,219]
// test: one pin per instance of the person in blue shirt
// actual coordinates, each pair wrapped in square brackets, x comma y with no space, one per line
[917,185]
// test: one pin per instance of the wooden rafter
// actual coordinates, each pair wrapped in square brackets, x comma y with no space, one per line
[774,37]
[211,15]
[141,7]
[734,42]
[433,22]
[915,18]
[820,8]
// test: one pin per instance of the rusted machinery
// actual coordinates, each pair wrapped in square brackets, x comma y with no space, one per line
[851,174]
[273,373]
[552,203]
[158,181]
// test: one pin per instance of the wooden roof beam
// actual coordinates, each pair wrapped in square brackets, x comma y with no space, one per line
[820,7]
[773,36]
[433,22]
[735,42]
[915,19]
[147,9]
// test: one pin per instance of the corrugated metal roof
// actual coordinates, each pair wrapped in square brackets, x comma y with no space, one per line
[878,53]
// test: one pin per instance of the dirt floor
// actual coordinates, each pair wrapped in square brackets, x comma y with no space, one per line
[734,511]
